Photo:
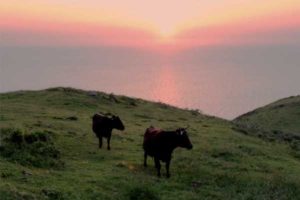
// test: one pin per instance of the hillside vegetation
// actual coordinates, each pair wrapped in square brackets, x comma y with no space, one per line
[224,164]
[276,121]
[282,115]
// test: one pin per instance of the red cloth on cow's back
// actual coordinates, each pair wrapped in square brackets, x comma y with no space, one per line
[152,131]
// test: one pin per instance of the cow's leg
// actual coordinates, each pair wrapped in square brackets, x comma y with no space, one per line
[145,159]
[100,142]
[157,165]
[108,143]
[168,168]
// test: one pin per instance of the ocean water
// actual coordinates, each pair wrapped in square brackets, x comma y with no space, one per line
[221,81]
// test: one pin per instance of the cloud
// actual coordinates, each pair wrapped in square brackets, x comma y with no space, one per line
[18,31]
[281,28]
[276,29]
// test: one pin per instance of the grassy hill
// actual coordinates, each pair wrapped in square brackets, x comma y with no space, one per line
[277,121]
[282,115]
[56,123]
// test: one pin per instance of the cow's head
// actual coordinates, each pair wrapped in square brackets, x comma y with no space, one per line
[117,123]
[184,140]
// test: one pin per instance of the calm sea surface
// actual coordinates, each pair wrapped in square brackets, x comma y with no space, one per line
[223,81]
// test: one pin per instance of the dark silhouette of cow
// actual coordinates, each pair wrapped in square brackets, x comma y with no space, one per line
[160,145]
[103,126]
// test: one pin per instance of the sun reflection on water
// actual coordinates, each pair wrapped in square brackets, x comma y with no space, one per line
[165,88]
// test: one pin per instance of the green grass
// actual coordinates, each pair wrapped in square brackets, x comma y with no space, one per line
[223,164]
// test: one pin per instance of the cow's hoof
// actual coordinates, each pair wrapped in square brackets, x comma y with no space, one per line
[145,165]
[168,175]
[108,148]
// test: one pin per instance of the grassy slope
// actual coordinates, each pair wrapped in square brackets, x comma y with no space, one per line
[223,164]
[282,115]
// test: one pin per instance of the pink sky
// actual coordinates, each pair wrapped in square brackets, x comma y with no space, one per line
[154,24]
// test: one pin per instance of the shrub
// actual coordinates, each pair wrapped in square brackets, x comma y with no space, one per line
[72,118]
[142,193]
[53,194]
[33,149]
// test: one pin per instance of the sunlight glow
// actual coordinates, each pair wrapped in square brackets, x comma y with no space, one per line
[166,20]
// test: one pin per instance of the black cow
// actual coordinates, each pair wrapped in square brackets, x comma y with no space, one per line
[160,145]
[103,125]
